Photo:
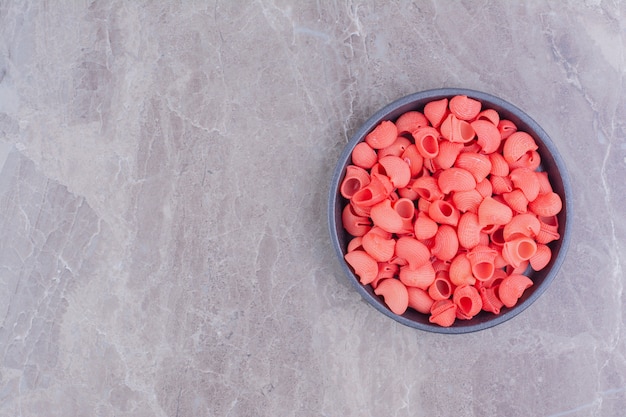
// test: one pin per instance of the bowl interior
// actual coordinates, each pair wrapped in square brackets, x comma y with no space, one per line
[551,162]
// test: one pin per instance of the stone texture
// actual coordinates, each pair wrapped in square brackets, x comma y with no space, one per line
[163,189]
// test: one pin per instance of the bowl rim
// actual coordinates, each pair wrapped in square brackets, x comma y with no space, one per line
[385,114]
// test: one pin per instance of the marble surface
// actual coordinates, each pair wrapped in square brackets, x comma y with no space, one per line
[163,192]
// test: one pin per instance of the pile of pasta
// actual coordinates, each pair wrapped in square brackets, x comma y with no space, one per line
[447,209]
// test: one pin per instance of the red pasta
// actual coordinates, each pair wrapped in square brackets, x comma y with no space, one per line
[447,211]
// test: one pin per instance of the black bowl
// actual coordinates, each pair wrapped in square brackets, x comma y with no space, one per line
[552,163]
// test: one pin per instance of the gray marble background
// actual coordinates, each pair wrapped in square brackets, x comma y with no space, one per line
[163,191]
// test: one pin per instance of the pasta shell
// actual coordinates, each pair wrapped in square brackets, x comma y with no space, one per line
[467,300]
[527,181]
[356,243]
[446,243]
[501,185]
[521,225]
[530,160]
[482,262]
[464,108]
[376,191]
[423,205]
[427,142]
[395,295]
[499,166]
[443,313]
[396,148]
[491,302]
[410,121]
[516,145]
[456,179]
[490,115]
[364,156]
[385,270]
[518,250]
[363,265]
[548,231]
[355,179]
[544,182]
[420,277]
[408,192]
[354,224]
[546,205]
[520,269]
[424,227]
[485,188]
[419,300]
[440,289]
[406,209]
[427,188]
[414,251]
[456,130]
[512,288]
[362,211]
[448,152]
[443,212]
[467,201]
[516,200]
[487,136]
[383,135]
[414,160]
[441,266]
[468,230]
[495,280]
[491,212]
[461,271]
[397,170]
[385,217]
[506,128]
[496,237]
[476,164]
[541,258]
[435,111]
[378,247]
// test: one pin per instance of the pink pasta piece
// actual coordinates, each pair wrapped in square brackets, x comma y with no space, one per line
[379,247]
[490,115]
[396,148]
[482,260]
[499,166]
[512,288]
[435,111]
[411,121]
[446,243]
[468,230]
[468,301]
[541,258]
[456,179]
[464,108]
[492,212]
[546,205]
[383,135]
[364,156]
[488,136]
[549,230]
[419,300]
[476,164]
[441,288]
[527,181]
[427,142]
[355,179]
[420,277]
[517,200]
[522,225]
[443,213]
[517,145]
[425,227]
[414,160]
[363,265]
[443,313]
[467,201]
[356,243]
[518,250]
[354,224]
[448,152]
[397,170]
[506,128]
[395,295]
[414,251]
[456,130]
[461,271]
